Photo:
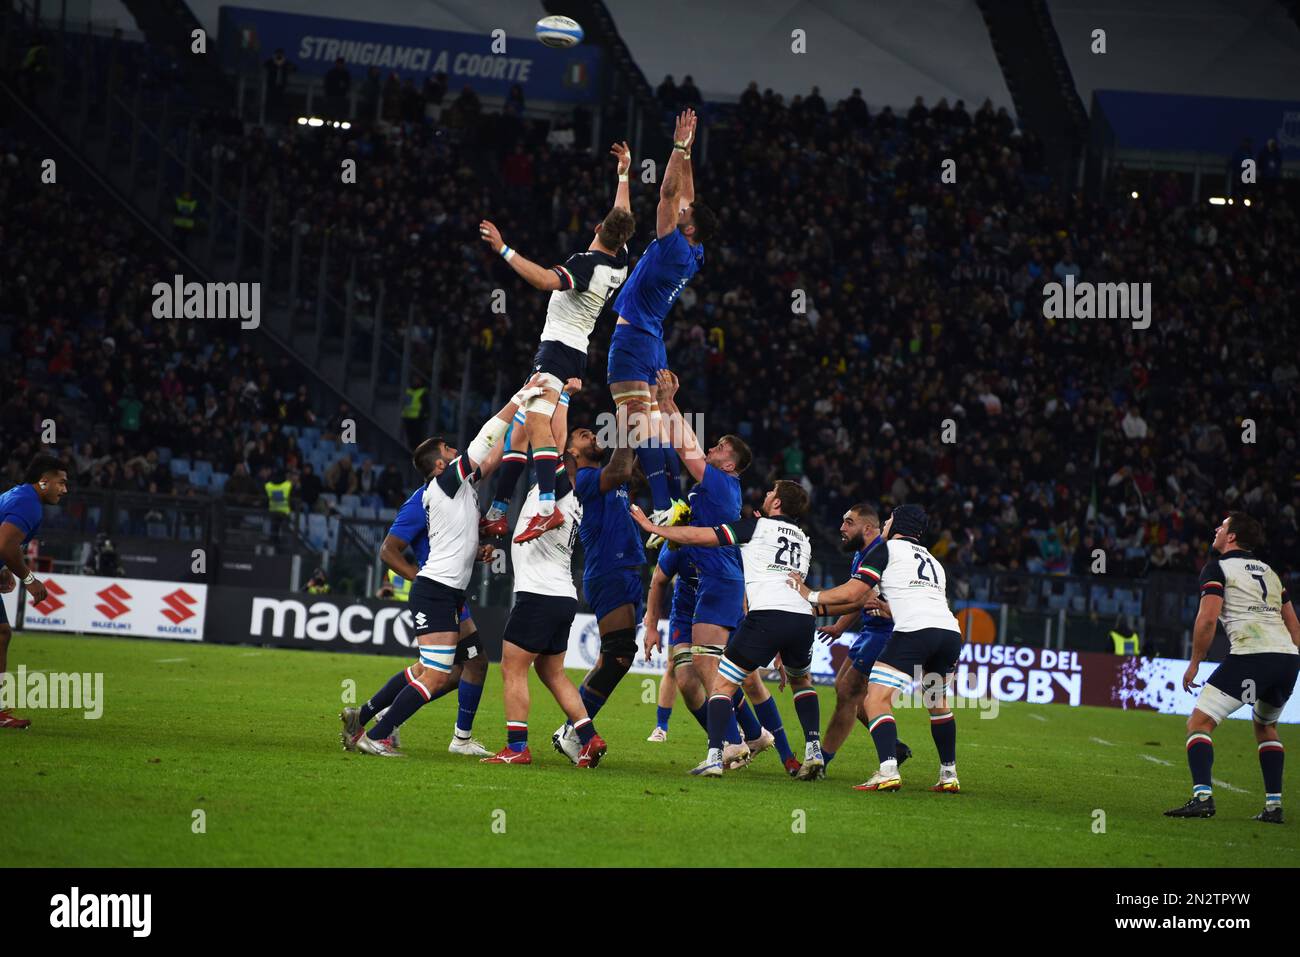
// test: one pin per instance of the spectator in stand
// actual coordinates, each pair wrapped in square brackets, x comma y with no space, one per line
[309,487]
[390,487]
[666,94]
[241,490]
[435,88]
[338,85]
[688,94]
[278,70]
[341,477]
[368,107]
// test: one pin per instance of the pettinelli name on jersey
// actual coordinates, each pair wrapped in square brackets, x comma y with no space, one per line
[912,581]
[770,549]
[587,281]
[451,507]
[544,566]
[1253,597]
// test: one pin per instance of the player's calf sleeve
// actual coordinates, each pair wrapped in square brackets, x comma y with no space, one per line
[467,699]
[545,459]
[721,713]
[408,701]
[382,698]
[770,717]
[701,714]
[806,706]
[943,728]
[745,716]
[884,732]
[1200,761]
[1271,757]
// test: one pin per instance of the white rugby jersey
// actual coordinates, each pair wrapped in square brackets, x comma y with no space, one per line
[912,581]
[770,549]
[451,510]
[544,566]
[587,281]
[1253,597]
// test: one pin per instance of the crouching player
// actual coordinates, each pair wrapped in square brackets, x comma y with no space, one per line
[537,631]
[926,641]
[778,623]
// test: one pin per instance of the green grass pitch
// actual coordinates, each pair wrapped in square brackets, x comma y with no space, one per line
[250,737]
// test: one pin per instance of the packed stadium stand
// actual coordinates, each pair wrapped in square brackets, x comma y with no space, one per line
[919,367]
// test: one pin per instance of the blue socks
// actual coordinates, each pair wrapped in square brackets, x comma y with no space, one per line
[467,698]
[805,705]
[662,715]
[517,736]
[771,719]
[885,733]
[651,459]
[408,701]
[384,697]
[1200,760]
[721,714]
[745,716]
[593,701]
[943,728]
[701,714]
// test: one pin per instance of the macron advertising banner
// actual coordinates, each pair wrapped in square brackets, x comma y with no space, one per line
[131,607]
[313,44]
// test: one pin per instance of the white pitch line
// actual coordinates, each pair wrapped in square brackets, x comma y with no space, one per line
[1148,757]
[169,661]
[1227,787]
[250,654]
[1101,741]
[1037,717]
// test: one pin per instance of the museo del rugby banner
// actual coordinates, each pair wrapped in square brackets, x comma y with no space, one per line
[131,607]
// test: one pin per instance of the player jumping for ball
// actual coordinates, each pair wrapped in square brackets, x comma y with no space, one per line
[579,290]
[636,350]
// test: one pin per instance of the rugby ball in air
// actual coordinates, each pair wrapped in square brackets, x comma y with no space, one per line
[559,31]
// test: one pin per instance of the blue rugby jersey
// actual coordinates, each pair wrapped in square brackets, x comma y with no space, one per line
[21,507]
[659,276]
[610,539]
[715,500]
[871,623]
[674,562]
[412,525]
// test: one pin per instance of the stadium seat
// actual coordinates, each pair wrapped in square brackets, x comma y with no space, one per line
[180,467]
[218,481]
[388,514]
[330,499]
[368,512]
[348,504]
[317,533]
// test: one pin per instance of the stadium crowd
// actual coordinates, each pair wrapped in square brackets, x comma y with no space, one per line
[875,333]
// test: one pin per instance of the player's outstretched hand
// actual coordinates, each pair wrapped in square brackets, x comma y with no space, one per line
[573,386]
[624,155]
[639,517]
[667,383]
[491,235]
[684,130]
[796,582]
[829,633]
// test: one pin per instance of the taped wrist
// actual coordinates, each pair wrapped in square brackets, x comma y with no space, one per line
[493,431]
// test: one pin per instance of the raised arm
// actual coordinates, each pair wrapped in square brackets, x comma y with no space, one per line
[675,430]
[485,450]
[619,469]
[539,277]
[670,190]
[852,593]
[681,534]
[623,195]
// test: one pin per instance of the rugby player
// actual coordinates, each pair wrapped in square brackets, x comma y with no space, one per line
[450,501]
[1246,594]
[613,556]
[21,509]
[859,533]
[579,290]
[772,546]
[636,349]
[470,666]
[924,645]
[537,631]
[715,500]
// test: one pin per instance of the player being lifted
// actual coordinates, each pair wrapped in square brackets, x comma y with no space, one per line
[636,349]
[1260,670]
[21,510]
[579,290]
[859,533]
[611,575]
[715,500]
[537,631]
[779,623]
[924,646]
[470,666]
[450,501]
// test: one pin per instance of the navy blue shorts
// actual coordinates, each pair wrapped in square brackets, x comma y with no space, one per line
[4,616]
[1271,676]
[557,359]
[604,593]
[765,634]
[540,623]
[720,601]
[929,651]
[635,356]
[435,607]
[866,648]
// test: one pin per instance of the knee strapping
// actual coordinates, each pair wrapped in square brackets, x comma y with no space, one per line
[619,644]
[709,651]
[681,655]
